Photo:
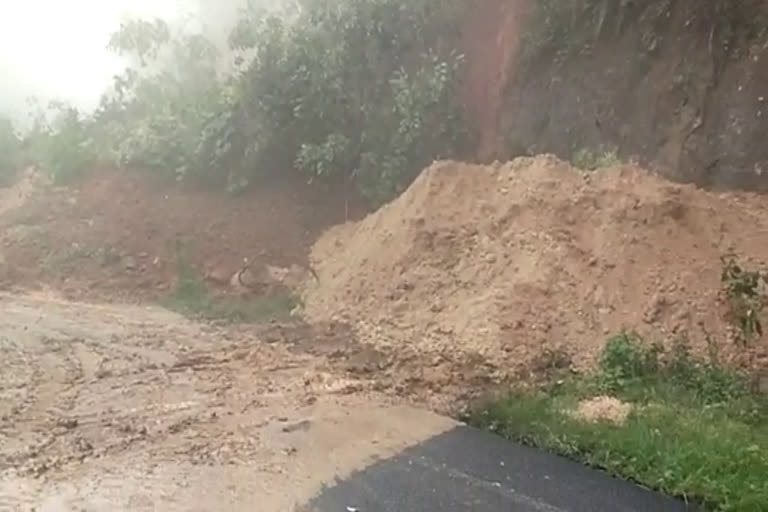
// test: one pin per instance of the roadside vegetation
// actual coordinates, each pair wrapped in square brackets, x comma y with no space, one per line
[10,151]
[362,91]
[351,90]
[680,423]
[191,297]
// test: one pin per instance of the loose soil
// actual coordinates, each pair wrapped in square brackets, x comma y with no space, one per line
[603,408]
[134,408]
[110,406]
[496,264]
[491,42]
[121,235]
[454,289]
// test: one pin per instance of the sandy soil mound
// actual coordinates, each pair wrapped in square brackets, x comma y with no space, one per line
[504,261]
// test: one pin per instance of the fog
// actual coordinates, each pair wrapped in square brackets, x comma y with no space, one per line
[54,49]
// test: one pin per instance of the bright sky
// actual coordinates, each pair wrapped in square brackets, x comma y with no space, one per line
[56,49]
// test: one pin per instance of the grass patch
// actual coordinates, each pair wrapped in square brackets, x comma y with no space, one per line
[588,160]
[696,430]
[192,298]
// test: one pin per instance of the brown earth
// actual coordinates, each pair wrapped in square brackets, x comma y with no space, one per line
[120,236]
[132,407]
[473,277]
[491,41]
[497,264]
[107,407]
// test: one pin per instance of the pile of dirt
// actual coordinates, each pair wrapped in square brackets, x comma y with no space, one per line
[499,263]
[121,235]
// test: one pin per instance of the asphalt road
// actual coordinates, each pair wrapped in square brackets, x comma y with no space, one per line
[469,470]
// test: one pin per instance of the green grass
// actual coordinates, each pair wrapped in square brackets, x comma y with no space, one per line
[588,160]
[696,430]
[192,298]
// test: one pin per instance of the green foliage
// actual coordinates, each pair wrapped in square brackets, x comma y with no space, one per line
[10,151]
[695,430]
[624,360]
[588,160]
[631,368]
[155,114]
[62,147]
[69,150]
[561,29]
[338,90]
[354,89]
[192,298]
[140,38]
[747,297]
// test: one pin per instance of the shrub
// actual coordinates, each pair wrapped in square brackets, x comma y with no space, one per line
[746,295]
[62,148]
[625,359]
[359,90]
[350,90]
[10,151]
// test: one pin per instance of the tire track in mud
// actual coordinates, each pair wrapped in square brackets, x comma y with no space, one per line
[135,407]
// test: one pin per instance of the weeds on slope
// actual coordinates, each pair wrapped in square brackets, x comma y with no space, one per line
[745,293]
[695,429]
[191,298]
[588,160]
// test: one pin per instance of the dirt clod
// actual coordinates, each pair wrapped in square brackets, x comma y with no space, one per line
[603,408]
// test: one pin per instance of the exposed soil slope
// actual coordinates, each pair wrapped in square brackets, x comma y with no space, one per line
[119,235]
[502,262]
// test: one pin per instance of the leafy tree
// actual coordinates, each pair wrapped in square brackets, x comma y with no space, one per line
[59,142]
[156,110]
[353,89]
[358,90]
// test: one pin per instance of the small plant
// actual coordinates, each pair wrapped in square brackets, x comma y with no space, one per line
[588,160]
[710,383]
[746,295]
[625,359]
[191,297]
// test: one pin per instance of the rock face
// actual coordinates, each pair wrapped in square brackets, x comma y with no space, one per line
[672,83]
[505,261]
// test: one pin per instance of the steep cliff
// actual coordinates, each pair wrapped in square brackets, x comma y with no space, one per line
[681,85]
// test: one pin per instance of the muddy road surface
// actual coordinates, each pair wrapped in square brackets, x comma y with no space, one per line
[108,407]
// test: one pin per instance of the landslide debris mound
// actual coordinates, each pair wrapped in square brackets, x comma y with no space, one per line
[505,261]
